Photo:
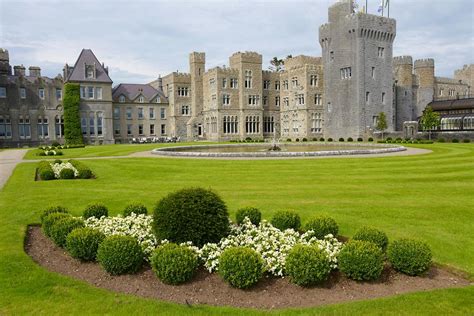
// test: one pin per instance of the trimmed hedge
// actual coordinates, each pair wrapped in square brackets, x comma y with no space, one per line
[61,228]
[136,208]
[72,123]
[174,264]
[241,267]
[361,260]
[322,226]
[45,171]
[83,171]
[49,220]
[192,214]
[307,265]
[51,210]
[82,243]
[374,235]
[66,173]
[409,256]
[119,254]
[96,210]
[285,220]
[252,213]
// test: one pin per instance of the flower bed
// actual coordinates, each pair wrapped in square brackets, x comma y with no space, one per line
[55,149]
[59,169]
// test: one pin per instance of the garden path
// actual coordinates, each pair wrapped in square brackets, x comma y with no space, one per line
[8,161]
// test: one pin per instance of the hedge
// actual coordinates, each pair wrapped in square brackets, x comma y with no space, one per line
[72,123]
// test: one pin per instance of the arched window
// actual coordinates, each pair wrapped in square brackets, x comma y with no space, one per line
[59,126]
[91,123]
[84,123]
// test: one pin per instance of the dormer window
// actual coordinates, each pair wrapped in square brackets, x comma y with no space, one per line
[158,100]
[90,72]
[141,99]
[122,99]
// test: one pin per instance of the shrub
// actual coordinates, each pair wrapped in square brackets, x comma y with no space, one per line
[297,140]
[51,210]
[248,139]
[466,141]
[398,139]
[307,265]
[341,139]
[66,173]
[370,139]
[241,267]
[55,144]
[361,260]
[285,220]
[119,254]
[96,210]
[360,139]
[193,214]
[61,228]
[455,140]
[45,171]
[388,139]
[330,139]
[314,139]
[252,213]
[174,264]
[136,208]
[72,123]
[321,139]
[350,139]
[59,161]
[374,235]
[409,256]
[322,226]
[305,139]
[82,243]
[288,140]
[50,220]
[83,171]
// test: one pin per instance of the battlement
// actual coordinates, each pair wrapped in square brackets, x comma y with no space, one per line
[4,56]
[425,63]
[302,60]
[246,57]
[177,77]
[223,71]
[197,57]
[444,80]
[402,60]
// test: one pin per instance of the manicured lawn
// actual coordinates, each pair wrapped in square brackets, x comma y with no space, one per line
[428,197]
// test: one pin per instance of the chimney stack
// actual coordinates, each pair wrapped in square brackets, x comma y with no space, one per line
[19,70]
[35,71]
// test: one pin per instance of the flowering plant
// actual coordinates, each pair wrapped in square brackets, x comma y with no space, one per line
[58,167]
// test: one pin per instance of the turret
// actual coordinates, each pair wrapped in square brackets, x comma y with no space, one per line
[425,72]
[197,67]
[5,68]
[403,89]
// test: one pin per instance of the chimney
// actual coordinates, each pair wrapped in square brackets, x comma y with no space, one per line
[35,71]
[5,68]
[19,70]
[160,83]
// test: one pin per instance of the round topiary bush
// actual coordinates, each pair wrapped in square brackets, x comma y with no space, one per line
[321,139]
[455,140]
[61,228]
[174,264]
[285,220]
[307,265]
[466,141]
[193,214]
[96,210]
[374,235]
[241,267]
[51,210]
[49,220]
[82,243]
[409,256]
[136,208]
[59,161]
[360,139]
[66,173]
[350,139]
[361,260]
[341,139]
[252,213]
[370,139]
[322,226]
[330,139]
[119,254]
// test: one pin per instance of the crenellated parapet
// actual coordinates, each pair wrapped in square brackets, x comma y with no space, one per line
[246,57]
[424,63]
[197,57]
[402,60]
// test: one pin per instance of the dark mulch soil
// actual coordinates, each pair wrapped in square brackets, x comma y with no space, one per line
[210,289]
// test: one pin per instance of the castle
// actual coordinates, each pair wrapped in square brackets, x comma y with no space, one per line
[340,94]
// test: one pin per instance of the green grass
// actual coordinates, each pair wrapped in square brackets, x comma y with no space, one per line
[429,197]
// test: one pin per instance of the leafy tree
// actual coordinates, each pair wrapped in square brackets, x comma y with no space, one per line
[381,123]
[277,64]
[72,120]
[430,120]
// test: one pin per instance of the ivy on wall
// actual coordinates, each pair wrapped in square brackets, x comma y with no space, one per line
[72,120]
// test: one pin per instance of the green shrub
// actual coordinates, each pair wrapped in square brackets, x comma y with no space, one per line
[374,235]
[72,123]
[174,264]
[466,141]
[59,161]
[388,139]
[96,210]
[66,173]
[241,267]
[350,139]
[322,226]
[248,139]
[119,254]
[288,140]
[409,256]
[45,171]
[51,210]
[297,140]
[252,213]
[341,139]
[321,139]
[370,139]
[82,243]
[193,214]
[49,220]
[61,228]
[285,220]
[314,139]
[55,144]
[360,139]
[307,265]
[398,139]
[136,208]
[305,139]
[330,139]
[361,260]
[83,171]
[455,140]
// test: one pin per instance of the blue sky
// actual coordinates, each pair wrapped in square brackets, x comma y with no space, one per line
[142,38]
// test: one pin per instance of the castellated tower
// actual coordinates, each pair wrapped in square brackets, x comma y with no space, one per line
[403,98]
[5,68]
[424,85]
[357,59]
[197,67]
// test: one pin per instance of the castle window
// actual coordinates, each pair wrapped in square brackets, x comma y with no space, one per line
[329,107]
[313,81]
[185,110]
[90,92]
[212,82]
[300,98]
[100,123]
[59,126]
[452,92]
[41,93]
[116,113]
[375,120]
[122,99]
[318,99]
[184,91]
[59,94]
[3,92]
[252,124]
[224,83]
[98,93]
[441,91]
[248,79]
[234,83]
[140,129]
[152,129]
[117,128]
[141,99]
[5,127]
[316,123]
[140,114]
[277,85]
[90,71]
[129,113]
[129,129]
[285,84]
[230,125]
[151,112]
[265,100]
[84,123]
[91,123]
[383,97]
[254,100]
[268,124]
[24,127]
[367,97]
[286,101]
[331,56]
[158,100]
[266,84]
[346,73]
[277,101]
[163,113]
[294,82]
[381,52]
[23,93]
[42,127]
[163,129]
[373,72]
[226,99]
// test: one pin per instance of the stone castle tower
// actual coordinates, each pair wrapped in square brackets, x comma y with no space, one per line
[5,68]
[357,58]
[197,68]
[403,96]
[424,85]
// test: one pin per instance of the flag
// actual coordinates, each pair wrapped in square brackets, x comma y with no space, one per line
[381,6]
[387,3]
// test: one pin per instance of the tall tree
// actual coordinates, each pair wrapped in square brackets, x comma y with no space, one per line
[381,123]
[277,64]
[430,120]
[72,120]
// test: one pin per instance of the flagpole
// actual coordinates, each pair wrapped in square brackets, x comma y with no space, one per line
[383,4]
[388,9]
[366,6]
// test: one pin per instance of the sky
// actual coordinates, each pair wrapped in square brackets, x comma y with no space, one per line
[141,39]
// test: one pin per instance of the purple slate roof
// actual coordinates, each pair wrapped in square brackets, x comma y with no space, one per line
[79,71]
[132,90]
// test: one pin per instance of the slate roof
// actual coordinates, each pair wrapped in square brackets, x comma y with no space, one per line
[79,71]
[132,90]
[460,104]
